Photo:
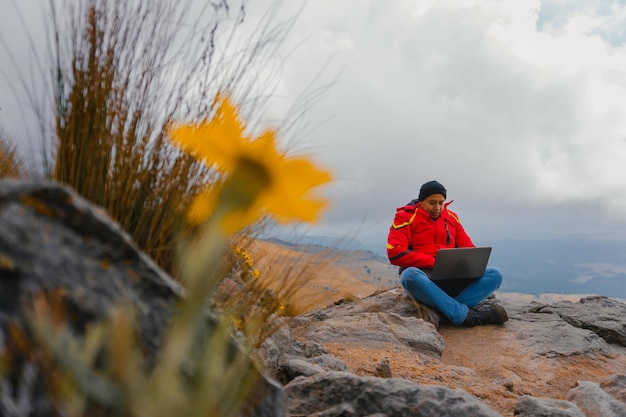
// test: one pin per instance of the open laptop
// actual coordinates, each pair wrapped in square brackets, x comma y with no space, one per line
[460,263]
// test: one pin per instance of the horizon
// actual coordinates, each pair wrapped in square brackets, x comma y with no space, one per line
[534,267]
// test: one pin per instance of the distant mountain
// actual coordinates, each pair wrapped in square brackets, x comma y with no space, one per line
[530,267]
[562,266]
[343,243]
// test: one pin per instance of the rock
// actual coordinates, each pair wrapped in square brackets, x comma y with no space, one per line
[602,315]
[293,368]
[343,394]
[376,328]
[329,363]
[594,401]
[550,336]
[546,333]
[52,241]
[394,300]
[529,406]
[365,328]
[383,369]
[286,358]
[615,385]
[58,242]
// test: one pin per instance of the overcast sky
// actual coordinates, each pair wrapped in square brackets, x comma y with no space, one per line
[517,107]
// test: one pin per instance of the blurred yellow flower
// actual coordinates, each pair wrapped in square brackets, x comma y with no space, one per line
[259,179]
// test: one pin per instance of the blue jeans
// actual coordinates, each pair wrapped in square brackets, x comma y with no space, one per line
[417,283]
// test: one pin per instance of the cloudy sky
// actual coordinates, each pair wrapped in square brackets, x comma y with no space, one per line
[517,107]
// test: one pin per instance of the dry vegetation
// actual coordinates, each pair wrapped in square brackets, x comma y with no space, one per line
[11,163]
[321,277]
[119,75]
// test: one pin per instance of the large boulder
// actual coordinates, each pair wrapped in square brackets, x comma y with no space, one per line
[594,401]
[341,394]
[529,406]
[602,315]
[53,242]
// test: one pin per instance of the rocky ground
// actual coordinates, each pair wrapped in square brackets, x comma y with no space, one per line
[361,350]
[544,351]
[497,364]
[540,352]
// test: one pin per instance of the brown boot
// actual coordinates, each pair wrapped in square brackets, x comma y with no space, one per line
[485,314]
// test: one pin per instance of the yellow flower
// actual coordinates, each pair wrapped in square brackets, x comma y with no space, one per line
[259,179]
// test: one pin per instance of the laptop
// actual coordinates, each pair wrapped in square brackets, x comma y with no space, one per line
[460,263]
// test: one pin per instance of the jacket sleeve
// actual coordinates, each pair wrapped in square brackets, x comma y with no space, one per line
[399,245]
[462,239]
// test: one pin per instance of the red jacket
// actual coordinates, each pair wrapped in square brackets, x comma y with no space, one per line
[414,237]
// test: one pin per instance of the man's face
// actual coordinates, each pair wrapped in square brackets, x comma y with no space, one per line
[433,205]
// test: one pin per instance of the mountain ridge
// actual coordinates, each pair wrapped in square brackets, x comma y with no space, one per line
[536,267]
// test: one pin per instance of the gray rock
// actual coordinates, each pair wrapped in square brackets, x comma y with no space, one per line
[383,369]
[277,348]
[548,335]
[53,241]
[594,401]
[394,300]
[385,317]
[374,329]
[285,358]
[615,385]
[529,406]
[335,394]
[602,315]
[329,363]
[293,368]
[543,332]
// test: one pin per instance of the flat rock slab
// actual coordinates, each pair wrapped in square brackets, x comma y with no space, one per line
[602,315]
[335,394]
[374,329]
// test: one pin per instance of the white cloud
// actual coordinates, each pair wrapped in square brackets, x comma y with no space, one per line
[517,117]
[516,106]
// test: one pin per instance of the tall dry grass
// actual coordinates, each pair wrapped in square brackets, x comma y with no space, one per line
[12,163]
[116,88]
[263,287]
[122,72]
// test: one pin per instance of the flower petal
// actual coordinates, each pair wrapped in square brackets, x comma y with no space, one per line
[218,142]
[202,207]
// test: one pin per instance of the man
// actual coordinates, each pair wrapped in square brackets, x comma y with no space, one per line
[418,231]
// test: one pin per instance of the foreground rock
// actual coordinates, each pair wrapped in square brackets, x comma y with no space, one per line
[54,243]
[345,394]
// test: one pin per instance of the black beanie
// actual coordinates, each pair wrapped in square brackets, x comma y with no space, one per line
[430,188]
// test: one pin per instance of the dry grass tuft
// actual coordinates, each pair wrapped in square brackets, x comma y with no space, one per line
[11,163]
[121,73]
[112,107]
